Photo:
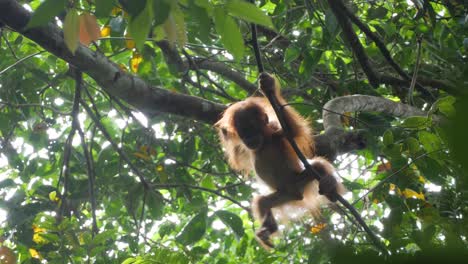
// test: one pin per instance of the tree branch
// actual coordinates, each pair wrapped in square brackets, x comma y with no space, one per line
[354,43]
[135,91]
[366,103]
[153,99]
[339,10]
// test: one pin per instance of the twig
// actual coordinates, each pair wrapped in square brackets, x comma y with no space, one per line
[114,145]
[415,73]
[65,170]
[20,61]
[183,185]
[34,105]
[393,174]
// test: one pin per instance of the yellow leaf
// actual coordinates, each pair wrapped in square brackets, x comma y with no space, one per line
[53,196]
[123,67]
[345,118]
[81,239]
[421,179]
[392,187]
[105,31]
[34,253]
[144,148]
[135,61]
[38,239]
[376,201]
[408,193]
[71,30]
[317,228]
[89,29]
[115,11]
[160,168]
[129,42]
[140,155]
[37,229]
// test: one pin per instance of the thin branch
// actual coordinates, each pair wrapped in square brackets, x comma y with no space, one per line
[183,185]
[338,9]
[354,42]
[415,73]
[378,42]
[20,61]
[8,44]
[34,105]
[88,158]
[65,169]
[384,180]
[114,145]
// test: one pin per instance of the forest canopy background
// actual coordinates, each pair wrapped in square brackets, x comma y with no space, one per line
[108,153]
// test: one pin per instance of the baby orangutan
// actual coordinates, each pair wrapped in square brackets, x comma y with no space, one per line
[254,140]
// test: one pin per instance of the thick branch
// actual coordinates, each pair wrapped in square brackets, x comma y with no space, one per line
[366,103]
[135,91]
[227,72]
[378,42]
[354,42]
[172,57]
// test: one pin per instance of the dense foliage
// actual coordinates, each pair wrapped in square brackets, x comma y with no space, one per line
[97,167]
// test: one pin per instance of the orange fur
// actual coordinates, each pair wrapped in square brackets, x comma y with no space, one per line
[252,143]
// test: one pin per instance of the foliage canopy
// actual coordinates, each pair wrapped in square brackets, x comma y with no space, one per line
[108,152]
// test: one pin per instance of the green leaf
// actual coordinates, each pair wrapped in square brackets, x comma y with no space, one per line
[102,237]
[446,106]
[166,229]
[103,7]
[180,26]
[140,25]
[249,12]
[155,203]
[412,145]
[7,183]
[291,54]
[207,182]
[393,150]
[429,141]
[134,7]
[233,221]
[46,12]
[416,122]
[231,36]
[379,12]
[71,30]
[161,10]
[170,30]
[201,20]
[387,138]
[331,24]
[193,230]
